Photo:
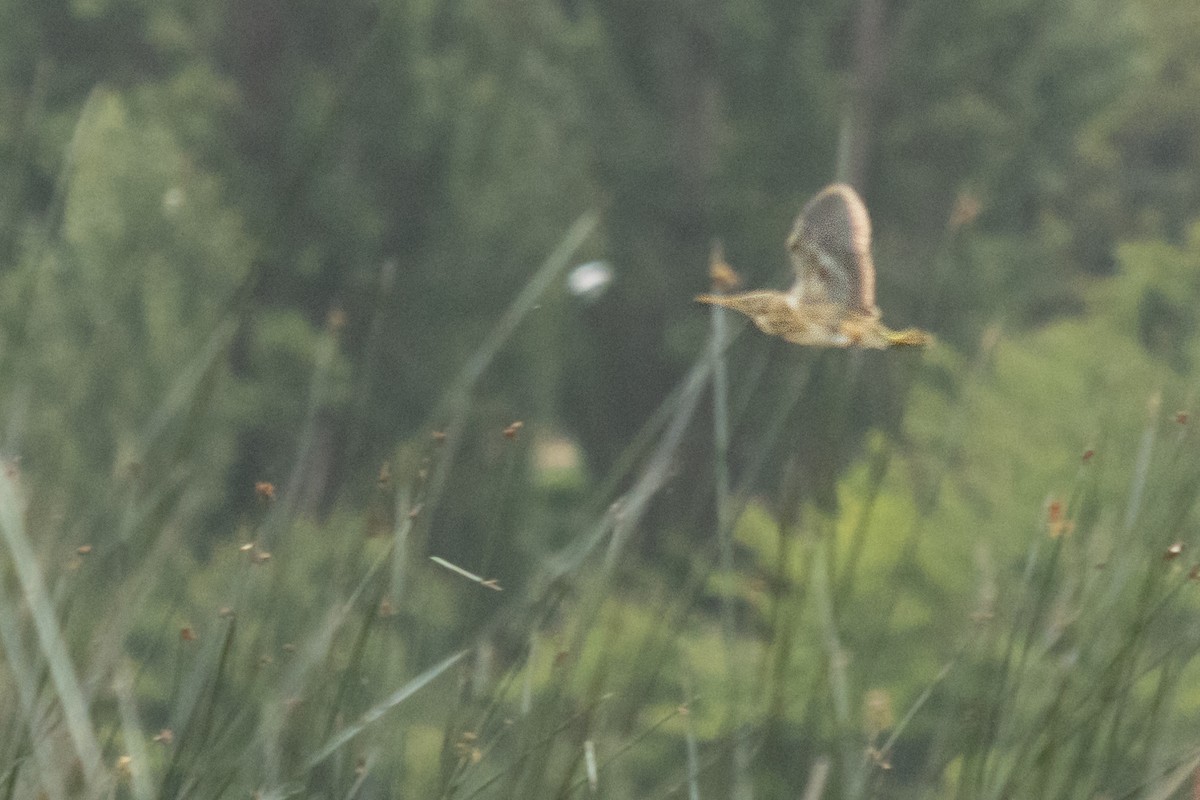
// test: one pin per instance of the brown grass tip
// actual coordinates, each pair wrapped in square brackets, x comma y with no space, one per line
[724,277]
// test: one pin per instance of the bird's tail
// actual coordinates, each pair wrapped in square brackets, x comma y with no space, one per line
[910,337]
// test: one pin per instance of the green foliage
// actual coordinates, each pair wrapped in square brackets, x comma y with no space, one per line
[109,320]
[313,658]
[292,247]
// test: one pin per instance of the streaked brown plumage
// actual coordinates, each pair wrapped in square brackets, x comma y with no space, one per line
[832,302]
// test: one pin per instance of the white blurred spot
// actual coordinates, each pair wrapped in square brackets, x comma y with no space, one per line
[589,281]
[557,462]
[172,199]
[556,453]
[589,761]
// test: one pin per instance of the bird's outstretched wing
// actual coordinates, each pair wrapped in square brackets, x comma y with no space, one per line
[830,247]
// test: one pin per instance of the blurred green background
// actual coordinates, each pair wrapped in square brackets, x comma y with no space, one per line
[277,280]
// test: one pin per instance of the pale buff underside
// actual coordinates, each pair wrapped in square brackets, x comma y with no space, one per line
[816,324]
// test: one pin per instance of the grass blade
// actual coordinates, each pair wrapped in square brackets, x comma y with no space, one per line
[62,672]
[378,710]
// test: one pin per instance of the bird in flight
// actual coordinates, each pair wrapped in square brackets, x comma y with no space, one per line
[832,302]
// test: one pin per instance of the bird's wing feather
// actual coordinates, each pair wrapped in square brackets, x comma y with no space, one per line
[830,246]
